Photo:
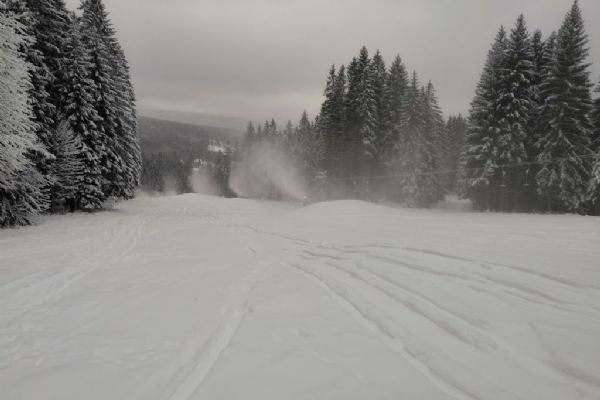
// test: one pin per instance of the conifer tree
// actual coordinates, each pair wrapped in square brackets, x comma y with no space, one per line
[22,195]
[538,48]
[456,128]
[308,148]
[435,131]
[596,122]
[45,21]
[395,92]
[594,192]
[84,120]
[480,159]
[376,143]
[114,102]
[50,25]
[415,161]
[259,133]
[361,115]
[332,122]
[249,136]
[69,168]
[326,123]
[564,175]
[288,130]
[128,145]
[516,101]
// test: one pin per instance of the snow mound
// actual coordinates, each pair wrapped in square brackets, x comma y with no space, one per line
[344,207]
[453,203]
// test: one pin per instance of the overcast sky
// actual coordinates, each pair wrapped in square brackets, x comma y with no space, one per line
[269,58]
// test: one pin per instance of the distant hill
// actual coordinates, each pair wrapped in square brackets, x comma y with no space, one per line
[235,124]
[160,136]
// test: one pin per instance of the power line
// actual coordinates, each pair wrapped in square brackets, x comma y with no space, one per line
[501,167]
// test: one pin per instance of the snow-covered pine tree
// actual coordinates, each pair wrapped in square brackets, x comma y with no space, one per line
[266,131]
[51,24]
[42,107]
[327,125]
[249,137]
[480,160]
[544,69]
[395,92]
[436,134]
[273,130]
[596,121]
[456,128]
[594,192]
[564,175]
[115,103]
[332,122]
[84,120]
[127,123]
[46,21]
[538,48]
[308,148]
[22,194]
[288,131]
[516,104]
[69,168]
[259,133]
[362,120]
[414,160]
[376,146]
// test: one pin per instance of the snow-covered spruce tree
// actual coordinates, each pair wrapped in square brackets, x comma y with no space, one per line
[68,170]
[516,104]
[537,49]
[456,128]
[332,122]
[307,148]
[596,121]
[130,150]
[480,160]
[376,143]
[436,133]
[115,103]
[46,21]
[22,196]
[414,158]
[51,24]
[543,53]
[564,175]
[249,137]
[594,192]
[395,92]
[288,131]
[362,120]
[84,121]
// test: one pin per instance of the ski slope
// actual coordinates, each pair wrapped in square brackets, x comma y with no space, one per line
[193,297]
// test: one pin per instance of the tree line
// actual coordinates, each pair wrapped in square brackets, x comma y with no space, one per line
[380,135]
[68,124]
[534,131]
[531,141]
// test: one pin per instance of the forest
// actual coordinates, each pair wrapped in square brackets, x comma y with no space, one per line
[68,123]
[530,142]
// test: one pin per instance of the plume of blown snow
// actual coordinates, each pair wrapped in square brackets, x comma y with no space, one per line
[266,172]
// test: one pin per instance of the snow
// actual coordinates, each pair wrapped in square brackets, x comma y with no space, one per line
[194,297]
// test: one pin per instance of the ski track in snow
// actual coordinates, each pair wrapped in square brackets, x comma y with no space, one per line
[475,327]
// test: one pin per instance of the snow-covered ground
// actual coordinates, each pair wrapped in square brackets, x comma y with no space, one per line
[194,297]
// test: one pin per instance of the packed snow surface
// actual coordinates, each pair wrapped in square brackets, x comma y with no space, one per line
[194,297]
